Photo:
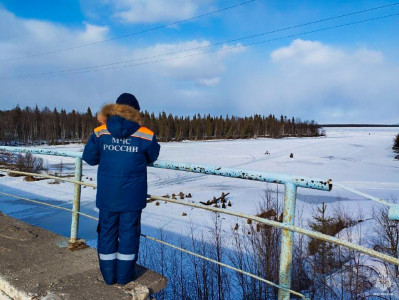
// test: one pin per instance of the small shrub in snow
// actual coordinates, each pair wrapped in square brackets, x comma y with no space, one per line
[6,158]
[29,163]
[388,233]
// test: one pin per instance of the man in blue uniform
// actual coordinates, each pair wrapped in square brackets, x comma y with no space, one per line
[122,148]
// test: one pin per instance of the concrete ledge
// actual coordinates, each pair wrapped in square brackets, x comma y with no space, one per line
[35,264]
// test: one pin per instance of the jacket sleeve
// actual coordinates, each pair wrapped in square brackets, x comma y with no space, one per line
[92,151]
[153,150]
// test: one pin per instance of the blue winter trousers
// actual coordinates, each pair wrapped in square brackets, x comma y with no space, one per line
[118,245]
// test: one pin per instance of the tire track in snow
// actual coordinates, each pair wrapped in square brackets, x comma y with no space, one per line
[180,179]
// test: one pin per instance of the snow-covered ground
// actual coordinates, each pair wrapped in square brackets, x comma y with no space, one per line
[357,157]
[360,158]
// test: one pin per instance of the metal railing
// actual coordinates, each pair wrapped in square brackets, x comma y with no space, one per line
[290,182]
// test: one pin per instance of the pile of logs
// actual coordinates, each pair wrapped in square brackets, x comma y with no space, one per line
[215,201]
[181,196]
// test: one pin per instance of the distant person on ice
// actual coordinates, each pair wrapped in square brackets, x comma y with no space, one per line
[122,148]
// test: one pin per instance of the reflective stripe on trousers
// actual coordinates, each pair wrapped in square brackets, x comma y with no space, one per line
[117,256]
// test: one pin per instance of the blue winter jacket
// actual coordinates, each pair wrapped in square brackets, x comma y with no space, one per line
[122,149]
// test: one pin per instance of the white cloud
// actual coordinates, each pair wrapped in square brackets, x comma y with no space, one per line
[325,83]
[203,69]
[163,85]
[307,53]
[23,37]
[229,49]
[150,11]
[94,33]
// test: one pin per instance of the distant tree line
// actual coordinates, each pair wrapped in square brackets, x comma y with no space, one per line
[197,127]
[34,125]
[48,126]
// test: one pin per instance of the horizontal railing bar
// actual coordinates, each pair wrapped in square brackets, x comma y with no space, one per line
[307,232]
[49,177]
[167,244]
[304,182]
[41,151]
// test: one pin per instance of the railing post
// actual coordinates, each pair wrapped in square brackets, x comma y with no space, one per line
[76,201]
[287,241]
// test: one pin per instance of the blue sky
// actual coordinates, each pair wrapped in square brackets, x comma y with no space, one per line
[348,74]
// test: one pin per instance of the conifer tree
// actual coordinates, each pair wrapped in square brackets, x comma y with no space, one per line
[323,253]
[395,146]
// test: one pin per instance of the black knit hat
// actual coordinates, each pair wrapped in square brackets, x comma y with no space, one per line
[128,99]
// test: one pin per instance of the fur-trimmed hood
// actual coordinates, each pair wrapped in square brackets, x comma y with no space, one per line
[122,110]
[122,120]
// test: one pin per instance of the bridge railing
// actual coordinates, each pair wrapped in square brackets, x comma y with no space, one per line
[290,182]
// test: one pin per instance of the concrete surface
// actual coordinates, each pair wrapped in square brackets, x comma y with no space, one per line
[35,264]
